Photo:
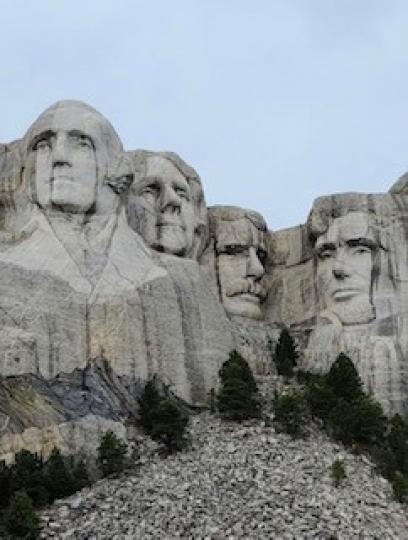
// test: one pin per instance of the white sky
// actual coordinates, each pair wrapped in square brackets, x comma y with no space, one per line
[274,102]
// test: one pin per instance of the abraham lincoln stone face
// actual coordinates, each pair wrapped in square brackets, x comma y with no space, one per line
[345,258]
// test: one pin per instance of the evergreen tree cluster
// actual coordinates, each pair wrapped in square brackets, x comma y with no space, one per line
[348,414]
[30,483]
[291,413]
[238,397]
[112,454]
[163,418]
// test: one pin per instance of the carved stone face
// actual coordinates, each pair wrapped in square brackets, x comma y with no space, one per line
[163,203]
[241,255]
[345,255]
[69,149]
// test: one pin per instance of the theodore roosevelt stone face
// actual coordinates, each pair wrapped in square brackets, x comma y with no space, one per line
[345,256]
[240,257]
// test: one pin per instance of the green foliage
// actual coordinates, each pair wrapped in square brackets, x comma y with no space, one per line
[360,422]
[291,413]
[111,454]
[21,521]
[397,440]
[399,484]
[6,486]
[28,474]
[347,412]
[237,368]
[80,476]
[320,397]
[148,405]
[162,418]
[344,380]
[58,479]
[338,472]
[286,354]
[354,418]
[169,425]
[392,457]
[238,397]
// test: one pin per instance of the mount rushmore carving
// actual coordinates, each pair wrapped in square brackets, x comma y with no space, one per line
[113,269]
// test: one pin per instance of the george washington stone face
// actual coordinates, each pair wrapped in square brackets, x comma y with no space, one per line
[68,150]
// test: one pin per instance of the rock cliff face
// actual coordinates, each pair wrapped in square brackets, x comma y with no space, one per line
[113,269]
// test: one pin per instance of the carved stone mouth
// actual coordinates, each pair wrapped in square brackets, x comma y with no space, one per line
[345,294]
[62,177]
[170,224]
[248,297]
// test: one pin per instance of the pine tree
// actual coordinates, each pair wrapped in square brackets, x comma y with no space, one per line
[286,354]
[291,413]
[21,521]
[148,404]
[6,487]
[338,472]
[111,454]
[237,368]
[80,476]
[238,397]
[58,479]
[397,440]
[27,473]
[169,425]
[344,380]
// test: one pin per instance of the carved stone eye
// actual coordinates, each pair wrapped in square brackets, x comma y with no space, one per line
[42,144]
[360,250]
[326,254]
[149,190]
[182,193]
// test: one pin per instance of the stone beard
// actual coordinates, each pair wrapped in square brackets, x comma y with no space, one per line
[346,255]
[162,206]
[240,257]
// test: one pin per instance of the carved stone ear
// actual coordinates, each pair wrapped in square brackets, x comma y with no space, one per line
[120,176]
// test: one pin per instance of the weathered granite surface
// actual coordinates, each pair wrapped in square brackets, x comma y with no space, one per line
[112,254]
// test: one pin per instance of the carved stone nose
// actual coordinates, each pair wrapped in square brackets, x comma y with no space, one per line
[255,267]
[339,272]
[169,199]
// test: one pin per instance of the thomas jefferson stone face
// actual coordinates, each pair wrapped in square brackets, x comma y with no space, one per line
[345,256]
[241,255]
[163,203]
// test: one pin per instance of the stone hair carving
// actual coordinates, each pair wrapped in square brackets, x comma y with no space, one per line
[239,244]
[166,204]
